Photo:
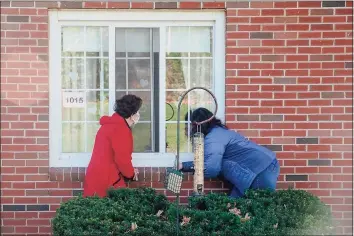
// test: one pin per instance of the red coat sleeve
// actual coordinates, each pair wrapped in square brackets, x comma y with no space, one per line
[122,143]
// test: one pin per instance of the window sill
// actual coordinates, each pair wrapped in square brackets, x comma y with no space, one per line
[77,160]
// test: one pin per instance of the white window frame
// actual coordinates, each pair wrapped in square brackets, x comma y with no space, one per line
[128,18]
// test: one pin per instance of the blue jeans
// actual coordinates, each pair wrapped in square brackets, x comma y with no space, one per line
[267,179]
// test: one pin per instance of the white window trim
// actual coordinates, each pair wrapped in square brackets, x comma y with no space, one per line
[130,18]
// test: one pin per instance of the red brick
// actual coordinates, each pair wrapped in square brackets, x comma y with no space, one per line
[213,5]
[190,5]
[95,4]
[285,4]
[310,4]
[119,5]
[142,5]
[272,12]
[297,12]
[249,12]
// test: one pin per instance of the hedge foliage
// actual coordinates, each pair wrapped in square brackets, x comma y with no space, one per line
[142,212]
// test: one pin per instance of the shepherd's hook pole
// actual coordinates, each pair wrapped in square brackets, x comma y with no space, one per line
[178,135]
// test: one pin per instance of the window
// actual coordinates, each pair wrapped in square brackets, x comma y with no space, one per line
[98,56]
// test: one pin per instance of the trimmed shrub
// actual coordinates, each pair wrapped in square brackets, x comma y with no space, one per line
[143,212]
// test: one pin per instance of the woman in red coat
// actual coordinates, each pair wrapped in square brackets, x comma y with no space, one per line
[111,159]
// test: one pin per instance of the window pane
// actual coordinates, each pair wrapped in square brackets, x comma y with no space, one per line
[177,41]
[73,139]
[200,98]
[171,138]
[195,41]
[106,110]
[176,74]
[93,73]
[200,41]
[105,41]
[93,41]
[73,114]
[133,42]
[201,72]
[120,94]
[93,105]
[72,72]
[121,80]
[73,41]
[139,73]
[105,73]
[172,99]
[92,129]
[84,68]
[142,137]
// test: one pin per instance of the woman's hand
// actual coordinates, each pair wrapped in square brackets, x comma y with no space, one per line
[180,166]
[136,173]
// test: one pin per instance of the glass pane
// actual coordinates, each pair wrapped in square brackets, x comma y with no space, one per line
[120,42]
[177,42]
[199,98]
[105,73]
[92,129]
[145,110]
[73,139]
[73,114]
[72,72]
[93,106]
[106,103]
[134,41]
[72,41]
[105,41]
[93,41]
[138,42]
[120,94]
[93,73]
[142,137]
[172,99]
[200,41]
[139,74]
[176,74]
[171,138]
[121,74]
[201,73]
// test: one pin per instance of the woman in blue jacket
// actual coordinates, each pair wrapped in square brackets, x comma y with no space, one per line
[227,153]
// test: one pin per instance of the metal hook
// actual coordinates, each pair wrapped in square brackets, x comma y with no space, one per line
[197,123]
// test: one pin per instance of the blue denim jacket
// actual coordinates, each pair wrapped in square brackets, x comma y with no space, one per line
[231,155]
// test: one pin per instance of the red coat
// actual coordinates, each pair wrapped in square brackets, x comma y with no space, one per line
[111,157]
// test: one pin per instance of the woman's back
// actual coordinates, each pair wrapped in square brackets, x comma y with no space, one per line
[239,149]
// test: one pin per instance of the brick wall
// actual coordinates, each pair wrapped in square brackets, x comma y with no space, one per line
[289,87]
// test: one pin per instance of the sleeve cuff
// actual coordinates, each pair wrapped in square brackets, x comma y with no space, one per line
[188,166]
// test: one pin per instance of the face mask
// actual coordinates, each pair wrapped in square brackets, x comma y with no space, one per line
[135,118]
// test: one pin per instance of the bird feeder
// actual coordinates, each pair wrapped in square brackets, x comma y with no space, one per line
[198,144]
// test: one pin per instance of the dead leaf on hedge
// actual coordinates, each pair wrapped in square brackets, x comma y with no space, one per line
[235,211]
[246,218]
[185,220]
[158,214]
[275,226]
[134,226]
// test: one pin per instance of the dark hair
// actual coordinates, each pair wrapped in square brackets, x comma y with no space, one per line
[127,105]
[201,114]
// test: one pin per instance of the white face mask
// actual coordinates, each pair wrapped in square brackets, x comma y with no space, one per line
[135,118]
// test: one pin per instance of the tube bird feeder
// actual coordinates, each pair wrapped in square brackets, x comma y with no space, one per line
[198,143]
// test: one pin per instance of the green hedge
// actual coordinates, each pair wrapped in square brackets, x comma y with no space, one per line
[285,212]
